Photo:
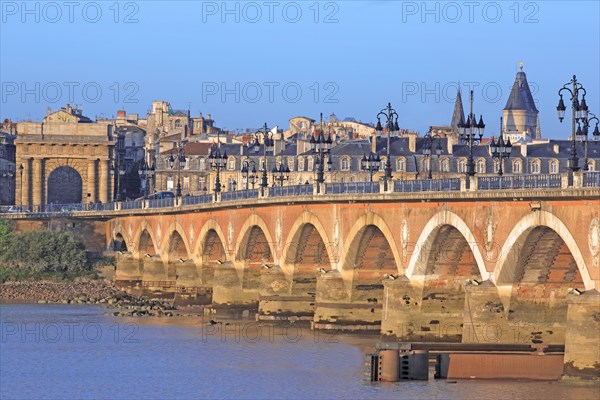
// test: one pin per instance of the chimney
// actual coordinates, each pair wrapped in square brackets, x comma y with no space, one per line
[412,141]
[524,149]
[373,142]
[208,117]
[450,143]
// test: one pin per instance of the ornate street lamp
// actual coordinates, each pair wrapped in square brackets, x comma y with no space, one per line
[579,113]
[472,133]
[268,146]
[177,158]
[249,176]
[584,137]
[21,168]
[391,127]
[501,150]
[322,148]
[217,161]
[371,164]
[430,139]
[119,172]
[146,173]
[281,174]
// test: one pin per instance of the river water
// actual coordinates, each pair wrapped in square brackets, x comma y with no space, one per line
[67,351]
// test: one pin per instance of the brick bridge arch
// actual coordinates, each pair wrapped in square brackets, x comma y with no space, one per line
[505,270]
[255,244]
[307,246]
[419,260]
[382,232]
[145,238]
[175,244]
[211,244]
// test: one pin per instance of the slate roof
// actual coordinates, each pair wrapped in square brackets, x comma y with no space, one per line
[520,97]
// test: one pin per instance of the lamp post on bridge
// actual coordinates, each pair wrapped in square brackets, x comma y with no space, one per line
[584,137]
[146,173]
[218,161]
[372,164]
[322,148]
[501,150]
[472,133]
[178,158]
[391,126]
[268,146]
[280,175]
[579,112]
[430,139]
[249,176]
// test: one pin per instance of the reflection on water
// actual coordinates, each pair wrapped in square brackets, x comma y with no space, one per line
[59,351]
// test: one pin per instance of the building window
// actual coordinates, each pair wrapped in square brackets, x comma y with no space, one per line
[311,164]
[202,183]
[591,165]
[186,183]
[480,167]
[202,164]
[290,162]
[554,167]
[345,164]
[177,124]
[170,184]
[231,164]
[496,166]
[401,165]
[534,167]
[445,166]
[300,164]
[462,166]
[517,167]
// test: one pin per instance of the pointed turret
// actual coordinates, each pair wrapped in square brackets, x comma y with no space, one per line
[520,112]
[458,116]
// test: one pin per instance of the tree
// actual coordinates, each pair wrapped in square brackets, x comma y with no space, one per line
[6,235]
[47,252]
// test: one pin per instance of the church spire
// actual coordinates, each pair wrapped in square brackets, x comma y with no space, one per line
[458,116]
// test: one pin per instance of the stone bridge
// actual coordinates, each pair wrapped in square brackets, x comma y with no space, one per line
[512,266]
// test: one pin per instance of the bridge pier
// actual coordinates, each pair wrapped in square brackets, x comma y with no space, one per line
[236,288]
[128,267]
[582,338]
[154,270]
[336,308]
[486,317]
[282,297]
[420,311]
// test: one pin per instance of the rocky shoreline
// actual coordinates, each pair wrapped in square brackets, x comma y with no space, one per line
[86,291]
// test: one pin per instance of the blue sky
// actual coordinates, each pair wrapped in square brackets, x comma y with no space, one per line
[247,63]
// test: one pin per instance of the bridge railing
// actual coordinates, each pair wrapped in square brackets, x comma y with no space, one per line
[352,187]
[201,199]
[427,185]
[161,203]
[537,181]
[131,205]
[239,195]
[508,182]
[294,190]
[591,179]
